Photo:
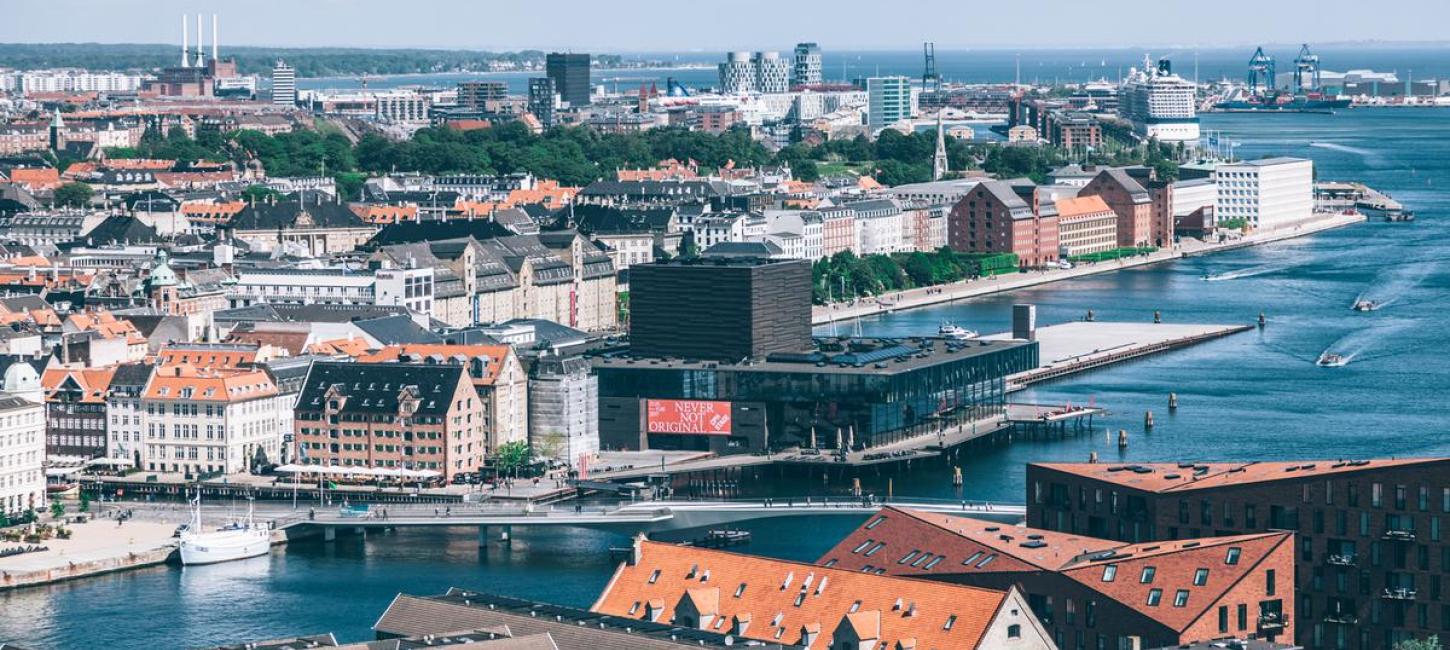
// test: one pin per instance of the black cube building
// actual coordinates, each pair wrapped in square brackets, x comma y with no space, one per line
[570,74]
[720,308]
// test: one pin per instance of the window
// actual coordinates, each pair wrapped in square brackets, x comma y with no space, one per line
[907,558]
[875,522]
[1233,555]
[1269,582]
[740,591]
[874,549]
[986,560]
[971,558]
[1222,619]
[1110,572]
[1155,596]
[1200,577]
[951,620]
[1147,576]
[654,577]
[935,561]
[860,547]
[1180,598]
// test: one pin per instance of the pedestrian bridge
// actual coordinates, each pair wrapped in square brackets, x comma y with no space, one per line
[628,518]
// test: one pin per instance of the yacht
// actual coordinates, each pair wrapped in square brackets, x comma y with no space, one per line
[237,541]
[951,331]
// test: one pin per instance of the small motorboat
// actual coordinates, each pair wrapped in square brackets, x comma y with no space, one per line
[1365,305]
[1331,360]
[954,332]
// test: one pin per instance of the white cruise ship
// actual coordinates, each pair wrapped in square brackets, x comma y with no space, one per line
[1161,105]
[235,542]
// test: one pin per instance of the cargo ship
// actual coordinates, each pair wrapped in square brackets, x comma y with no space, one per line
[1282,104]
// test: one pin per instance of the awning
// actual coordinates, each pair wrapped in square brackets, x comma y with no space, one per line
[110,462]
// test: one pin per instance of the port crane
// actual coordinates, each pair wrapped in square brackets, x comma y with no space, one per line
[1261,70]
[1306,68]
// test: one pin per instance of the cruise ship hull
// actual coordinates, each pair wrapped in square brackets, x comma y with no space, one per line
[225,546]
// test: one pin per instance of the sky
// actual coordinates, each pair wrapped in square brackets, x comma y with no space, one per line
[691,25]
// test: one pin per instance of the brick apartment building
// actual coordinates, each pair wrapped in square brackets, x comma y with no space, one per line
[995,218]
[1093,593]
[1372,558]
[390,415]
[497,375]
[1144,204]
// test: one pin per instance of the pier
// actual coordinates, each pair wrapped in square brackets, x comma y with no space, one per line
[1070,348]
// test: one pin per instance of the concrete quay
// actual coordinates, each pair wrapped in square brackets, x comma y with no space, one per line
[927,296]
[95,547]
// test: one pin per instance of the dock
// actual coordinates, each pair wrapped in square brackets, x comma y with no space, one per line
[1070,348]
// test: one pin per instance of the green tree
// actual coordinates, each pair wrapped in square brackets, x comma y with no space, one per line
[57,509]
[85,502]
[510,457]
[259,193]
[73,195]
[1431,642]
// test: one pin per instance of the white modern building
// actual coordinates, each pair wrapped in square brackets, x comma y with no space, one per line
[761,72]
[737,74]
[1266,194]
[76,81]
[402,107]
[772,73]
[411,288]
[889,100]
[284,84]
[22,442]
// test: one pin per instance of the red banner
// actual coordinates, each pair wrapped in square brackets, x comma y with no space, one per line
[687,416]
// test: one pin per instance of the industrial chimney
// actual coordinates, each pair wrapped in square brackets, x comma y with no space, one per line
[213,38]
[185,53]
[200,44]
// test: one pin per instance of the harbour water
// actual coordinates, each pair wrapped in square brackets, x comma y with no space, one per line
[963,66]
[1250,396]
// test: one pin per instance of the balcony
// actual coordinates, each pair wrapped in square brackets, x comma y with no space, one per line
[1399,535]
[1346,559]
[1398,593]
[1273,621]
[1341,618]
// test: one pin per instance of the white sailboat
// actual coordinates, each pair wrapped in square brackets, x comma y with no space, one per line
[235,542]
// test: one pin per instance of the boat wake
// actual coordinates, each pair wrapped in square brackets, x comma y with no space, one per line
[1333,146]
[1363,344]
[1394,286]
[1247,273]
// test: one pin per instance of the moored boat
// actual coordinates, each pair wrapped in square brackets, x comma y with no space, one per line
[236,542]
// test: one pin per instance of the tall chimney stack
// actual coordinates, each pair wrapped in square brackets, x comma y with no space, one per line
[200,44]
[185,51]
[213,38]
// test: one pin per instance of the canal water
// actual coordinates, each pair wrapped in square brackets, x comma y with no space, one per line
[1256,395]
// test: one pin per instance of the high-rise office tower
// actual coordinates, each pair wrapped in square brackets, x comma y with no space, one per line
[284,84]
[807,70]
[888,101]
[570,74]
[476,95]
[737,74]
[542,99]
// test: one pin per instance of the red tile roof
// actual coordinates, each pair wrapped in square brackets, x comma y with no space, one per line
[1081,206]
[780,601]
[967,546]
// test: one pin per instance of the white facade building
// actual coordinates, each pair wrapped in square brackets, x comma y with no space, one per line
[772,73]
[284,84]
[411,288]
[402,107]
[737,74]
[77,81]
[205,421]
[807,70]
[22,442]
[1266,194]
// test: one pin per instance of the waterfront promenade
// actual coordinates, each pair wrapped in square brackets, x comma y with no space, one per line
[927,296]
[95,547]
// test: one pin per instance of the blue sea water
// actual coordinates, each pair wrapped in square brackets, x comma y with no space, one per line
[1256,395]
[965,66]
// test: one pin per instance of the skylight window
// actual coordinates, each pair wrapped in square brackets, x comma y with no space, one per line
[654,577]
[1148,573]
[1155,596]
[1200,577]
[986,560]
[875,522]
[971,558]
[1110,572]
[1233,555]
[862,546]
[1180,598]
[907,558]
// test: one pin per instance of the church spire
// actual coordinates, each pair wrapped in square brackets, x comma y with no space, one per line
[939,161]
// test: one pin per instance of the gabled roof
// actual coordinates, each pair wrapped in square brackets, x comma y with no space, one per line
[395,330]
[1081,206]
[184,382]
[781,598]
[1121,177]
[92,383]
[118,229]
[1188,477]
[420,231]
[492,357]
[909,543]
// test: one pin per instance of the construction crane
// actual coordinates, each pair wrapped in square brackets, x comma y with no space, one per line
[1261,70]
[1306,68]
[930,80]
